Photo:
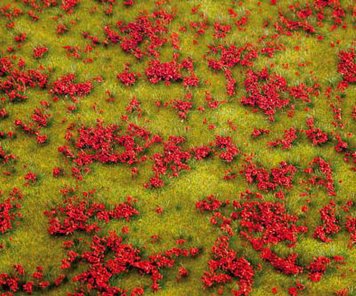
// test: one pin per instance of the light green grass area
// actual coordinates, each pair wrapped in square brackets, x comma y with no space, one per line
[31,245]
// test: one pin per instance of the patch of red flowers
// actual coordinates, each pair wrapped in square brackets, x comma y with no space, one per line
[290,136]
[9,210]
[39,52]
[270,92]
[226,266]
[330,224]
[66,86]
[109,256]
[82,214]
[109,144]
[20,282]
[15,79]
[315,135]
[321,175]
[126,77]
[281,176]
[170,162]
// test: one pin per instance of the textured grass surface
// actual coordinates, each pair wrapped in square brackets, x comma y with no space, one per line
[31,245]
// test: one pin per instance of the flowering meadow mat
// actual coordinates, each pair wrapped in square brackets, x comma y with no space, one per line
[177,147]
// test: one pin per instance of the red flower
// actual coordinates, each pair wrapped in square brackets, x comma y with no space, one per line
[39,52]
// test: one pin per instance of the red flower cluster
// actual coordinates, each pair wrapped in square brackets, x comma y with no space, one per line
[201,152]
[171,71]
[303,15]
[39,52]
[30,178]
[68,5]
[269,221]
[267,181]
[147,29]
[285,265]
[126,77]
[330,223]
[134,106]
[170,163]
[257,132]
[317,268]
[5,157]
[40,119]
[347,65]
[18,282]
[290,135]
[209,204]
[183,106]
[269,92]
[316,135]
[229,57]
[220,30]
[350,226]
[79,214]
[9,210]
[104,144]
[230,150]
[109,257]
[327,181]
[16,80]
[168,71]
[263,224]
[65,86]
[227,266]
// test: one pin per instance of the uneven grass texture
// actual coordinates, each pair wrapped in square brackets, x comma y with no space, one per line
[262,96]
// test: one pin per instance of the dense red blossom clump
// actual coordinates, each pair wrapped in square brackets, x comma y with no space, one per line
[40,119]
[66,86]
[143,36]
[172,71]
[229,57]
[170,162]
[301,17]
[315,135]
[68,5]
[183,107]
[326,180]
[15,79]
[347,65]
[209,204]
[290,136]
[103,143]
[263,224]
[257,132]
[230,150]
[20,282]
[269,221]
[9,210]
[109,257]
[226,266]
[39,52]
[126,77]
[350,226]
[265,91]
[5,156]
[79,214]
[270,92]
[317,268]
[281,176]
[330,224]
[285,265]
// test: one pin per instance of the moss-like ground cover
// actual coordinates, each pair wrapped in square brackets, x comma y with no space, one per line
[177,147]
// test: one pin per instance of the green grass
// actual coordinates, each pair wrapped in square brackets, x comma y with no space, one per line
[31,245]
